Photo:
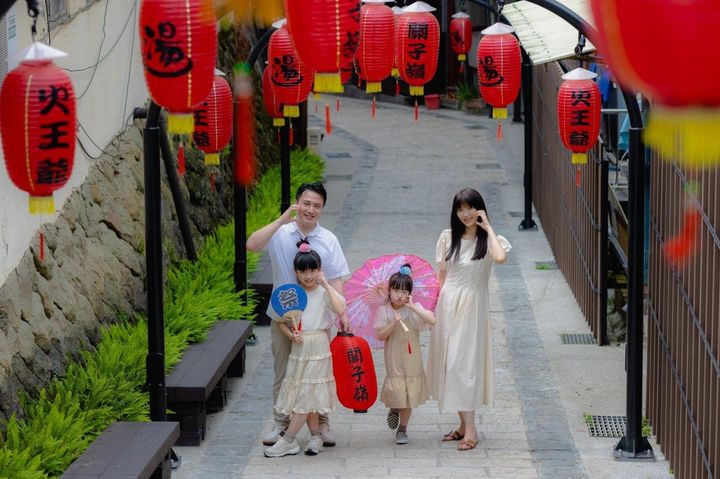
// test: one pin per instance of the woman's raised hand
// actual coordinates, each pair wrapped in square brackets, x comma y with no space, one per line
[322,280]
[483,220]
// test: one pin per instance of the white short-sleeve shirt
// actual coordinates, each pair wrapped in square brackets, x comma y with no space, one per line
[282,249]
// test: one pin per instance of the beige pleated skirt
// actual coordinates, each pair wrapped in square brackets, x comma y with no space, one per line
[309,384]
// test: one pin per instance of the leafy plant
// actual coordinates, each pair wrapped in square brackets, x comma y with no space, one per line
[466,91]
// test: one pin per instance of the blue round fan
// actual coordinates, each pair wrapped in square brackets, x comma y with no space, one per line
[287,298]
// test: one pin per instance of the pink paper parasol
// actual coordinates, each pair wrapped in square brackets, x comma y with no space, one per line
[367,290]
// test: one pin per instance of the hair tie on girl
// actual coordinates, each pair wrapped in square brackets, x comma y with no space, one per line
[304,248]
[405,270]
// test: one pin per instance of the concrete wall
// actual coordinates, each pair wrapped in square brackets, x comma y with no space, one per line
[107,93]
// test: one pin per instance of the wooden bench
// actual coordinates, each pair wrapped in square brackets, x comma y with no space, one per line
[127,450]
[198,384]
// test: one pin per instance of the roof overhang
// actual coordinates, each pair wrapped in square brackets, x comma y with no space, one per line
[545,36]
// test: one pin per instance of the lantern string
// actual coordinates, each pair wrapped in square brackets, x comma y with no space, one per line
[374,108]
[417,111]
[328,123]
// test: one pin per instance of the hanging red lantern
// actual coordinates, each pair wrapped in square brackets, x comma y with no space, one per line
[291,77]
[395,73]
[375,52]
[461,35]
[37,121]
[418,39]
[354,372]
[499,62]
[578,107]
[179,46]
[325,34]
[213,120]
[244,126]
[273,107]
[645,44]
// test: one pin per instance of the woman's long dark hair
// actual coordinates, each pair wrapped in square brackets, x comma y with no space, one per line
[472,198]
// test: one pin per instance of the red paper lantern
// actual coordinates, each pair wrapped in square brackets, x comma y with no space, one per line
[291,77]
[418,39]
[579,113]
[37,121]
[499,62]
[354,372]
[213,121]
[179,42]
[655,46]
[461,35]
[376,50]
[273,107]
[244,126]
[325,33]
[396,51]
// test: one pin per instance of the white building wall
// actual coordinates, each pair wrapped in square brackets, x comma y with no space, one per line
[108,93]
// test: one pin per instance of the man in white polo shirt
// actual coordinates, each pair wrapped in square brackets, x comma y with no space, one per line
[280,239]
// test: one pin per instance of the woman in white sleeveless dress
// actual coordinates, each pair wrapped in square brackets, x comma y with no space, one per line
[461,374]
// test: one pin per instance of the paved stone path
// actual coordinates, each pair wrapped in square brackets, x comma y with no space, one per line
[390,184]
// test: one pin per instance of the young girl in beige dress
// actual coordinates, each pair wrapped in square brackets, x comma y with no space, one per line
[309,386]
[398,324]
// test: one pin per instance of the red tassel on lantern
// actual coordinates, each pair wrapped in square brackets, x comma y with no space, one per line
[578,177]
[291,135]
[409,347]
[181,159]
[679,248]
[212,128]
[244,125]
[354,372]
[418,40]
[291,77]
[212,181]
[325,35]
[37,122]
[41,254]
[179,46]
[417,112]
[337,105]
[499,63]
[328,123]
[374,109]
[578,107]
[375,52]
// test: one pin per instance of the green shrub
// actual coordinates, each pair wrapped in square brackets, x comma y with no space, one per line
[106,384]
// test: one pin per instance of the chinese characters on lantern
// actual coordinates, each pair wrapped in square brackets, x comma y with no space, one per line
[164,55]
[55,135]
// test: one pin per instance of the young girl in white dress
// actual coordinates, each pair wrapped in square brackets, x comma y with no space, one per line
[309,386]
[398,324]
[461,373]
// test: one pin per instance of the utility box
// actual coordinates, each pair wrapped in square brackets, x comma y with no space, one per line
[315,137]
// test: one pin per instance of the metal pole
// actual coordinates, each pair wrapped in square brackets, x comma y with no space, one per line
[183,222]
[155,361]
[527,95]
[285,167]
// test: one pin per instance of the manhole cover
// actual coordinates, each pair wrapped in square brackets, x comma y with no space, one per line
[577,338]
[545,265]
[606,426]
[487,166]
[342,154]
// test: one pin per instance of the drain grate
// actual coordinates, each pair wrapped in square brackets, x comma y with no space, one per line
[606,426]
[342,154]
[545,265]
[584,338]
[487,166]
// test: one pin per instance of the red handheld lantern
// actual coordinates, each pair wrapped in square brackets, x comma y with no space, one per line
[37,121]
[213,120]
[292,78]
[461,35]
[325,33]
[354,372]
[179,42]
[654,47]
[499,62]
[579,113]
[270,99]
[418,39]
[375,52]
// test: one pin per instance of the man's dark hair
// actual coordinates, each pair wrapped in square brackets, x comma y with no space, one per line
[315,187]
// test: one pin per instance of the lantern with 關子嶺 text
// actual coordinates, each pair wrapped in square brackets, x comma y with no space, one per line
[375,52]
[325,33]
[213,120]
[354,372]
[291,77]
[418,43]
[179,44]
[37,121]
[270,99]
[461,35]
[655,47]
[499,62]
[578,107]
